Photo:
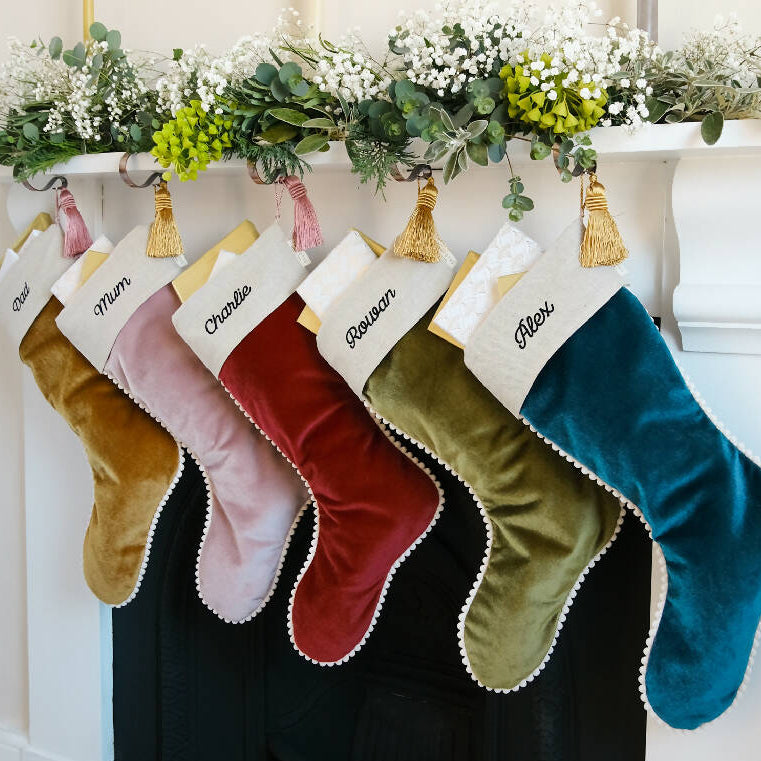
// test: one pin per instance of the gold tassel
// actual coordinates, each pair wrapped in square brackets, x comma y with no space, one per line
[420,240]
[602,243]
[164,237]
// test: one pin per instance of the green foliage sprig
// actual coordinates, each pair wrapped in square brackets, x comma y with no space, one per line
[101,103]
[454,91]
[191,141]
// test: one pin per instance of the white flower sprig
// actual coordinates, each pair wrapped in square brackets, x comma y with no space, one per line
[348,70]
[429,58]
[83,99]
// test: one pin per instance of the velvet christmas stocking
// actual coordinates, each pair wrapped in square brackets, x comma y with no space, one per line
[254,496]
[135,464]
[374,502]
[545,522]
[579,358]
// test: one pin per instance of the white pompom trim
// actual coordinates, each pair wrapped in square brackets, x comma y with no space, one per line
[164,500]
[663,572]
[278,569]
[485,564]
[316,533]
[207,521]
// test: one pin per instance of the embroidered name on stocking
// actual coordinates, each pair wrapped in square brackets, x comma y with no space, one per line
[109,297]
[239,296]
[528,326]
[18,302]
[356,332]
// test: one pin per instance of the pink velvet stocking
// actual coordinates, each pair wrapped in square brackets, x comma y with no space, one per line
[255,496]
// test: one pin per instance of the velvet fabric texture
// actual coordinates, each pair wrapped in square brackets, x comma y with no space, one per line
[548,521]
[133,460]
[254,494]
[613,398]
[373,501]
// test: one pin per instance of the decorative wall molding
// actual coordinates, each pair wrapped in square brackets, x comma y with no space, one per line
[16,747]
[717,303]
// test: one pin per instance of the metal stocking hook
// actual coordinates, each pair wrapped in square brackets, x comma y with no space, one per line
[253,173]
[48,185]
[418,172]
[153,179]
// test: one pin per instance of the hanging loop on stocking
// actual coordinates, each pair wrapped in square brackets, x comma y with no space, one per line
[306,226]
[602,244]
[419,240]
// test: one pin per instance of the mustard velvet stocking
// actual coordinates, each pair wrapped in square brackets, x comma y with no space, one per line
[134,461]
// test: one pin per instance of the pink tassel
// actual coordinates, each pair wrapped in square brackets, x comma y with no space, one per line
[76,239]
[306,226]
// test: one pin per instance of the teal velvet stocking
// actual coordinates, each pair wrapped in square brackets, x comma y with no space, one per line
[613,398]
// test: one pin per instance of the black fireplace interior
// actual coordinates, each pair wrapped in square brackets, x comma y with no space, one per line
[189,687]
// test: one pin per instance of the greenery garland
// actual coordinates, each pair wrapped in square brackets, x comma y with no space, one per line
[452,90]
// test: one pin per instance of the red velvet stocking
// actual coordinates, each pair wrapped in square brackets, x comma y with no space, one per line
[374,501]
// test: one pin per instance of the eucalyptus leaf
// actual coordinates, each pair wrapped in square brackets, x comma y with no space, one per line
[310,144]
[31,132]
[265,73]
[56,138]
[515,215]
[279,90]
[711,127]
[98,31]
[289,70]
[300,89]
[524,203]
[55,48]
[496,152]
[539,150]
[114,40]
[135,133]
[378,108]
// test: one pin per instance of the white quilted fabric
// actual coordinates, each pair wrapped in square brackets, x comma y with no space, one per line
[510,252]
[340,268]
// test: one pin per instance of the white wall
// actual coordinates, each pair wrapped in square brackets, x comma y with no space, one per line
[468,214]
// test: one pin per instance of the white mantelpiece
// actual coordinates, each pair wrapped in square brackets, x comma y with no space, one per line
[714,198]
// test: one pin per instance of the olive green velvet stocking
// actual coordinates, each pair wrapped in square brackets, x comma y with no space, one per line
[546,521]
